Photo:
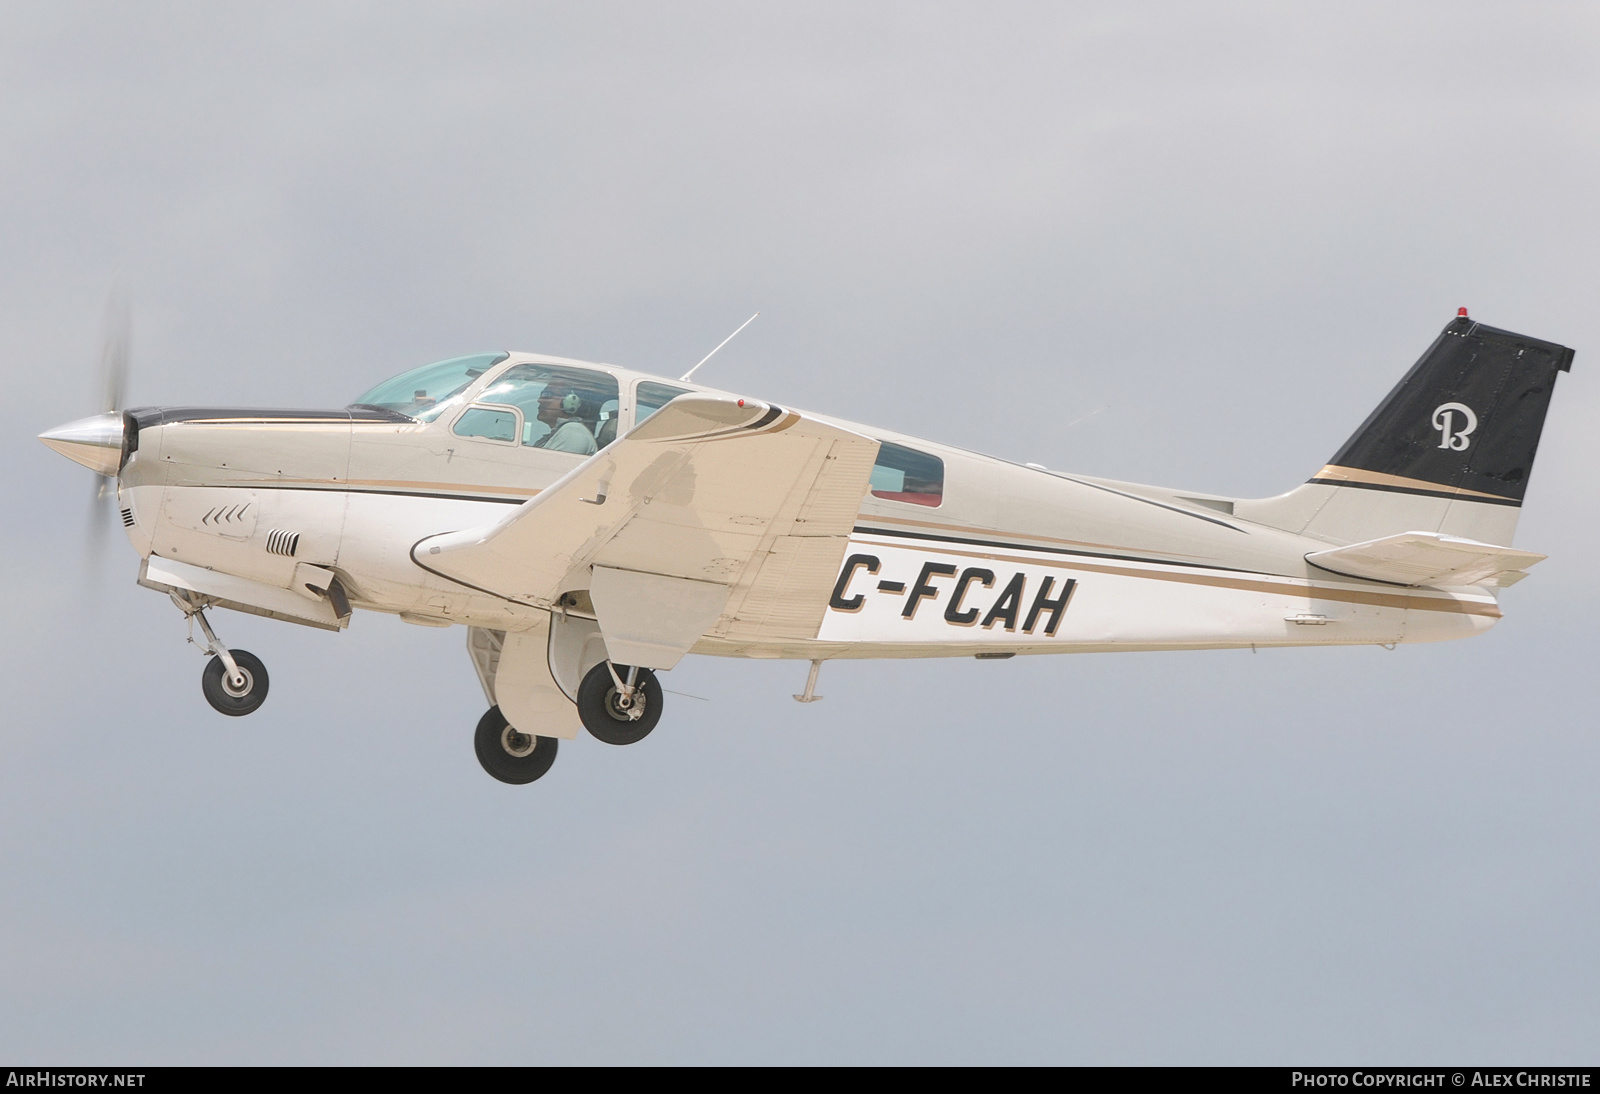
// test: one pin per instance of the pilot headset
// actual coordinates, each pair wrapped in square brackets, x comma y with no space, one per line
[570,402]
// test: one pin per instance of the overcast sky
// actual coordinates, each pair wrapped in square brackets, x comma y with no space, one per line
[1232,225]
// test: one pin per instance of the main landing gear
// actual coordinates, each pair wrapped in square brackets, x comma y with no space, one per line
[509,755]
[619,704]
[234,681]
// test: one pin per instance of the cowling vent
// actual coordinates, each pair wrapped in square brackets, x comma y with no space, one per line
[127,518]
[283,543]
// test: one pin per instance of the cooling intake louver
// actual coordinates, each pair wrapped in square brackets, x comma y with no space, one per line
[283,543]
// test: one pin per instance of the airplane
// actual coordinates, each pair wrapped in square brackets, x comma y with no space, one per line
[591,525]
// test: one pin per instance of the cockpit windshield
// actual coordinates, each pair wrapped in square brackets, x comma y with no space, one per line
[427,392]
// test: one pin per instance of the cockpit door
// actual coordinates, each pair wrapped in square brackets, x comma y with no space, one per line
[533,423]
[564,408]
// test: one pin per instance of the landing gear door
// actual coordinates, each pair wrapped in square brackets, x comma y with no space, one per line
[576,646]
[525,690]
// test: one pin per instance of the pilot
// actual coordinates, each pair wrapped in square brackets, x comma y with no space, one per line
[558,409]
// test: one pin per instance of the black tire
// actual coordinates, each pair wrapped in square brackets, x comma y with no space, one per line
[223,696]
[598,705]
[508,755]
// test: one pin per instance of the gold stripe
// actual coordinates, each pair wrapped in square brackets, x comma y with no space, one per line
[1414,601]
[1377,478]
[967,530]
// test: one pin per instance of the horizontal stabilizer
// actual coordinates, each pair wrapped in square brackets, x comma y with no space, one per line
[1427,558]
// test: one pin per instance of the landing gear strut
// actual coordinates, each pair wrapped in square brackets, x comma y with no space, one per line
[234,681]
[509,754]
[619,704]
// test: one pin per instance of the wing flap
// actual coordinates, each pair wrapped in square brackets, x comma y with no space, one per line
[1428,558]
[787,593]
[652,620]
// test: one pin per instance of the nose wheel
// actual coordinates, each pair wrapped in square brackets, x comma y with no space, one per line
[239,692]
[509,754]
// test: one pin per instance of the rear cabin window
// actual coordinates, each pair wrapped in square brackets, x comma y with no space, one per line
[904,474]
[651,397]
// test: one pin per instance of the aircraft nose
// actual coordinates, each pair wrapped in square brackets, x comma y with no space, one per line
[95,442]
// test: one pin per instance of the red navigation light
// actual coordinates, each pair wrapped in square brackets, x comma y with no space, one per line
[741,401]
[1462,312]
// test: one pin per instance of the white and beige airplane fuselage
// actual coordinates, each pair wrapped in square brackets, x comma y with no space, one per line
[1011,560]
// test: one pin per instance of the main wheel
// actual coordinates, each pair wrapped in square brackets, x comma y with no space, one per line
[228,697]
[611,718]
[509,755]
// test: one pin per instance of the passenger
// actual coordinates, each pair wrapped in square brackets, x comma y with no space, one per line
[558,409]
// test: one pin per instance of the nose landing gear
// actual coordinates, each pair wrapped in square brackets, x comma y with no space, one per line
[234,681]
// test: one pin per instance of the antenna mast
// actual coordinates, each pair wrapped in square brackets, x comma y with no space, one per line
[720,344]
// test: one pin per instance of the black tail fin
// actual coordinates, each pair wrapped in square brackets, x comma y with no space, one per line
[1457,437]
[1465,421]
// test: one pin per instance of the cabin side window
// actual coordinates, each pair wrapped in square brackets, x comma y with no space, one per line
[489,422]
[904,474]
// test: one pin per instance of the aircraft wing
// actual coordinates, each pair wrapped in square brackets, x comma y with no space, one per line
[1428,558]
[715,515]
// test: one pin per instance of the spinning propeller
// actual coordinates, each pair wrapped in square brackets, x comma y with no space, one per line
[100,442]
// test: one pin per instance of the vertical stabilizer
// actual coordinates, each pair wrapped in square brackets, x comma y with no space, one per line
[1450,450]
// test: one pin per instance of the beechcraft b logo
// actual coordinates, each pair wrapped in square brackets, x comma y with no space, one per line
[1455,423]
